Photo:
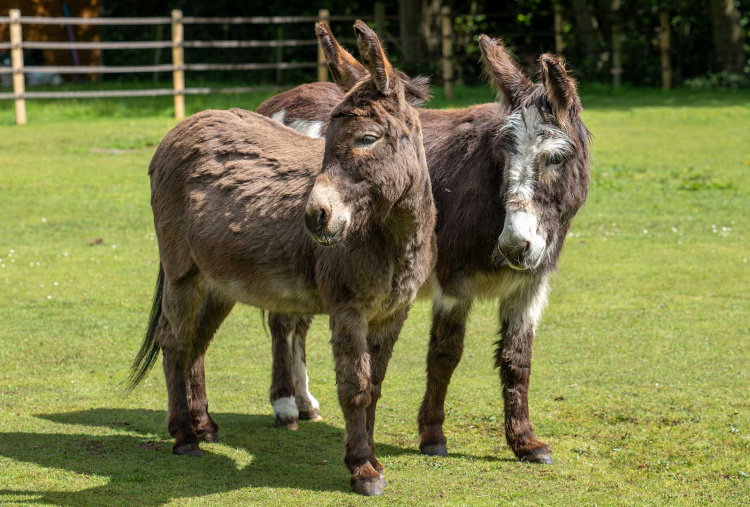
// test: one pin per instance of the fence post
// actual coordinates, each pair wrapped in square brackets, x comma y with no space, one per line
[279,52]
[323,16]
[380,19]
[16,55]
[178,60]
[558,28]
[445,12]
[664,36]
[616,45]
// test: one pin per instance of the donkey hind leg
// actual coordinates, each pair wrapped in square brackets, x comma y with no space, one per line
[443,355]
[174,335]
[519,314]
[353,382]
[308,406]
[212,312]
[380,345]
[282,378]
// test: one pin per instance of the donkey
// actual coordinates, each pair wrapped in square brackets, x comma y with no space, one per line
[507,179]
[244,213]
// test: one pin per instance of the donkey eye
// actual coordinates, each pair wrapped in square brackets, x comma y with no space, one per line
[554,159]
[368,139]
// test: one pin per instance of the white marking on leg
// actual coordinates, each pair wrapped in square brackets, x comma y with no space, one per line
[523,308]
[441,302]
[308,128]
[279,116]
[301,379]
[285,408]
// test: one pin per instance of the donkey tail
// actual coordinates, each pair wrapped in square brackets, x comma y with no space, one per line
[146,357]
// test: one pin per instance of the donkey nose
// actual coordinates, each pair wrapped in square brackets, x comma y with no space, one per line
[317,218]
[524,247]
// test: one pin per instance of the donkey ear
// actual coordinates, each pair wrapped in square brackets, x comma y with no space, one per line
[560,88]
[345,69]
[504,74]
[373,56]
[416,90]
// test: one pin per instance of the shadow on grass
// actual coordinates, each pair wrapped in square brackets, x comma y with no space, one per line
[139,465]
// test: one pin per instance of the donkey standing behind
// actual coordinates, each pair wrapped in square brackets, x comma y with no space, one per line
[232,192]
[507,180]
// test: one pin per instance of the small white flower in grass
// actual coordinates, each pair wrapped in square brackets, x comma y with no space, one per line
[49,297]
[37,263]
[55,284]
[44,219]
[41,285]
[65,254]
[645,231]
[12,260]
[12,251]
[674,229]
[114,246]
[3,265]
[31,263]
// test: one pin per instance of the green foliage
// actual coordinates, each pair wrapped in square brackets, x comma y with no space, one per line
[718,80]
[640,374]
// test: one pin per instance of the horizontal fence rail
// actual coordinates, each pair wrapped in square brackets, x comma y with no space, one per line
[153,92]
[444,40]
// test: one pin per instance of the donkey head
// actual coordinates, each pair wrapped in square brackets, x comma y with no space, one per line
[373,153]
[544,147]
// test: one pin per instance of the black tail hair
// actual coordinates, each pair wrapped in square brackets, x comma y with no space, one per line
[146,357]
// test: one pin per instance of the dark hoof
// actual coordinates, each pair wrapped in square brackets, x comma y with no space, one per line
[541,456]
[310,415]
[290,424]
[372,486]
[434,450]
[187,449]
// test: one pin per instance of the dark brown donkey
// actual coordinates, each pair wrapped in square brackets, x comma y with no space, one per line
[244,213]
[507,179]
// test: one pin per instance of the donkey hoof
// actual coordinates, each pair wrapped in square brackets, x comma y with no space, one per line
[187,449]
[371,486]
[209,437]
[290,424]
[541,456]
[382,481]
[310,415]
[434,450]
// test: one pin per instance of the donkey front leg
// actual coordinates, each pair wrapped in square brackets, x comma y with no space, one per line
[282,379]
[380,345]
[308,406]
[446,346]
[354,385]
[519,314]
[290,394]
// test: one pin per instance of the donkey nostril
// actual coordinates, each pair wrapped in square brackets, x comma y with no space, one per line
[322,219]
[525,247]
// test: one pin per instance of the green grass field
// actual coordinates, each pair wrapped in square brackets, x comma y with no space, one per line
[641,372]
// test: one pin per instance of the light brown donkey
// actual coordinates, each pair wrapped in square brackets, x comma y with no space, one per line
[244,213]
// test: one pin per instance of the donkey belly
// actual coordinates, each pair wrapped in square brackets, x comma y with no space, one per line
[278,292]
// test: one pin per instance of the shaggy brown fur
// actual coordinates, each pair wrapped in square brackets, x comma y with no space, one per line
[468,151]
[232,194]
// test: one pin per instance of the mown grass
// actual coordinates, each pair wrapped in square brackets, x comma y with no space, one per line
[641,372]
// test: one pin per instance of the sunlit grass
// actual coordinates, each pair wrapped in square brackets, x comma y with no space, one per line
[641,372]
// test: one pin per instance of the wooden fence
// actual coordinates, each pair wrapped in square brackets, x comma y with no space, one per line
[445,40]
[178,67]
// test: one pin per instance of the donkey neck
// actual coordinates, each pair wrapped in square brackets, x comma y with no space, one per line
[411,220]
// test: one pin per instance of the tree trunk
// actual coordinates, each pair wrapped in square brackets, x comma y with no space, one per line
[410,22]
[728,36]
[585,29]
